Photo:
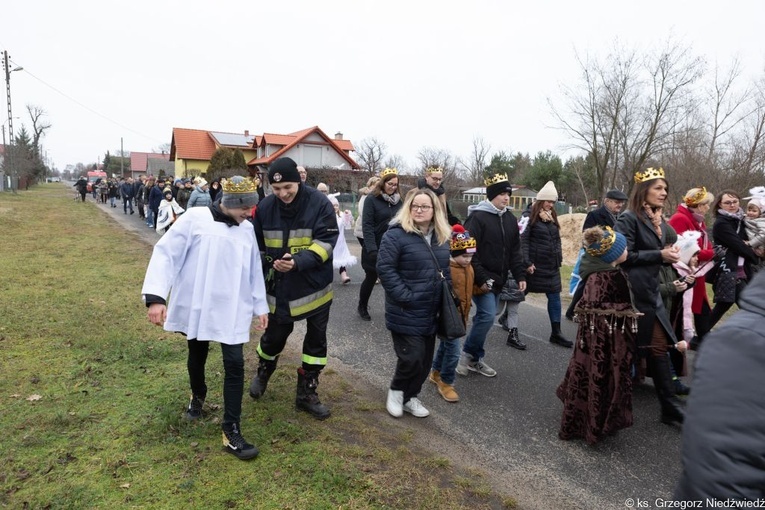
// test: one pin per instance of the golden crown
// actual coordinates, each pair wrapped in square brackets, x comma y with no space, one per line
[696,197]
[245,185]
[605,243]
[434,169]
[388,171]
[649,174]
[462,241]
[496,178]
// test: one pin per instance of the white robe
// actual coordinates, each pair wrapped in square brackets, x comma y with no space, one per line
[166,213]
[215,275]
[341,255]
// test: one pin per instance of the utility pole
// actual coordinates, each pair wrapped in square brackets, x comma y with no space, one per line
[6,64]
[122,159]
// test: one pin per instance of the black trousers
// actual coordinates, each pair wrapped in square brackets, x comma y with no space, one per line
[314,344]
[233,379]
[415,355]
[720,308]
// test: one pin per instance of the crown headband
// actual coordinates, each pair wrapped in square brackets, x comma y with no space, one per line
[462,241]
[387,172]
[605,243]
[496,178]
[434,169]
[246,185]
[649,174]
[696,197]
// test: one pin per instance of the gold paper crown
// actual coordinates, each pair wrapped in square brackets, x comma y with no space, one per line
[462,241]
[434,169]
[649,174]
[696,197]
[388,171]
[246,185]
[496,178]
[605,243]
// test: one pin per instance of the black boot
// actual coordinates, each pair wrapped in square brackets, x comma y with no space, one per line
[364,312]
[557,337]
[235,444]
[513,340]
[671,409]
[680,388]
[258,385]
[307,400]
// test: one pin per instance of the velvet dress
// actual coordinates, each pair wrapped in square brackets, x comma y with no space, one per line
[597,389]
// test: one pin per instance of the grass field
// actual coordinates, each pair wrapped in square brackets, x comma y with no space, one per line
[92,396]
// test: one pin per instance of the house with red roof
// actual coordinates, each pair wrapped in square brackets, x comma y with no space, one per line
[150,163]
[192,149]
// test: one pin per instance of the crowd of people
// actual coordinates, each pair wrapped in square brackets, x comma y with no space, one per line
[640,298]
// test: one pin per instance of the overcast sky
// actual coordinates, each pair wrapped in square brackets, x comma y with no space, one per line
[411,73]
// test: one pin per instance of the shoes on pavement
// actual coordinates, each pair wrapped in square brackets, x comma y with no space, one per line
[364,313]
[513,340]
[680,387]
[132,212]
[395,403]
[434,376]
[345,278]
[482,368]
[415,408]
[447,391]
[462,365]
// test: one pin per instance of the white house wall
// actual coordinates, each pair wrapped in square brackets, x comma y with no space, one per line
[317,156]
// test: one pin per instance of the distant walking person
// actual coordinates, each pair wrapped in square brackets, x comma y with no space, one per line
[126,191]
[82,187]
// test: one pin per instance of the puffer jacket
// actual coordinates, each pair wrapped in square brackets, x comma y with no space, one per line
[723,447]
[542,247]
[411,280]
[199,198]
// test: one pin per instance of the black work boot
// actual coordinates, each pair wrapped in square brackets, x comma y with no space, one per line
[307,400]
[194,410]
[557,337]
[513,340]
[671,409]
[258,385]
[235,444]
[364,312]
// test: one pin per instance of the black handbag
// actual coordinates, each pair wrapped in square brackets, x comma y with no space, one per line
[450,323]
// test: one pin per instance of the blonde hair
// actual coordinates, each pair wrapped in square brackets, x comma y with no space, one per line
[692,195]
[442,230]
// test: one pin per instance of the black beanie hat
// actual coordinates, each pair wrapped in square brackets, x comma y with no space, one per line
[283,170]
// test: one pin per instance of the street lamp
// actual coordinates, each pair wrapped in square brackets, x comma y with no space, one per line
[8,71]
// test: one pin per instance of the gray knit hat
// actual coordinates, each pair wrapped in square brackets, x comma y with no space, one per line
[240,192]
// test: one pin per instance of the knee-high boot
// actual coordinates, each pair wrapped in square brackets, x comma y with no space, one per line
[671,409]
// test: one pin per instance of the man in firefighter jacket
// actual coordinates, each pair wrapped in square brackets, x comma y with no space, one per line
[296,230]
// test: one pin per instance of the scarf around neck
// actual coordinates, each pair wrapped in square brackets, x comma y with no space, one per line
[739,215]
[653,214]
[391,199]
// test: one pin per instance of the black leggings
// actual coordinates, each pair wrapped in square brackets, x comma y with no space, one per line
[366,287]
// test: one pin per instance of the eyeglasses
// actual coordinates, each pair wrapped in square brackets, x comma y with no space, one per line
[729,202]
[421,208]
[437,179]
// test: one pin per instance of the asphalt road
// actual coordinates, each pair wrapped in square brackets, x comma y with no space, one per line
[507,425]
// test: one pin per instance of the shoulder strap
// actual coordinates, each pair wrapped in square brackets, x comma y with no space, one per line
[438,267]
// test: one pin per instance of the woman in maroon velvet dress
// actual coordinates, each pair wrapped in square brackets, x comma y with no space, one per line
[597,389]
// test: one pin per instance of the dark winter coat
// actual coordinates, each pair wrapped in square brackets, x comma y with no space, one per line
[441,194]
[600,216]
[377,215]
[411,281]
[307,229]
[642,267]
[498,245]
[155,197]
[81,185]
[729,231]
[723,448]
[126,190]
[542,247]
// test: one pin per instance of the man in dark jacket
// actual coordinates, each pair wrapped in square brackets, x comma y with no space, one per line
[723,448]
[498,250]
[126,192]
[604,216]
[297,230]
[434,176]
[155,198]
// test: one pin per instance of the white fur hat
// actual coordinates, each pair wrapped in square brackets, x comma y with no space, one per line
[757,198]
[688,243]
[548,192]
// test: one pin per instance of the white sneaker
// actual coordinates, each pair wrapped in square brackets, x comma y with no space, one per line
[462,365]
[395,403]
[415,408]
[481,368]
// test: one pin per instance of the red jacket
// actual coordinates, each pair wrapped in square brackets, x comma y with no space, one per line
[683,221]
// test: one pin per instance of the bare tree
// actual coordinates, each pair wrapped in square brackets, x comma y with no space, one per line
[39,127]
[475,167]
[396,161]
[370,153]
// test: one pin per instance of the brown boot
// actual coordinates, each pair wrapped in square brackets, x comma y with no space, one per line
[434,377]
[447,391]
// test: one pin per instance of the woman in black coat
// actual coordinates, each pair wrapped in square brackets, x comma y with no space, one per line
[543,256]
[646,231]
[411,279]
[380,206]
[728,231]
